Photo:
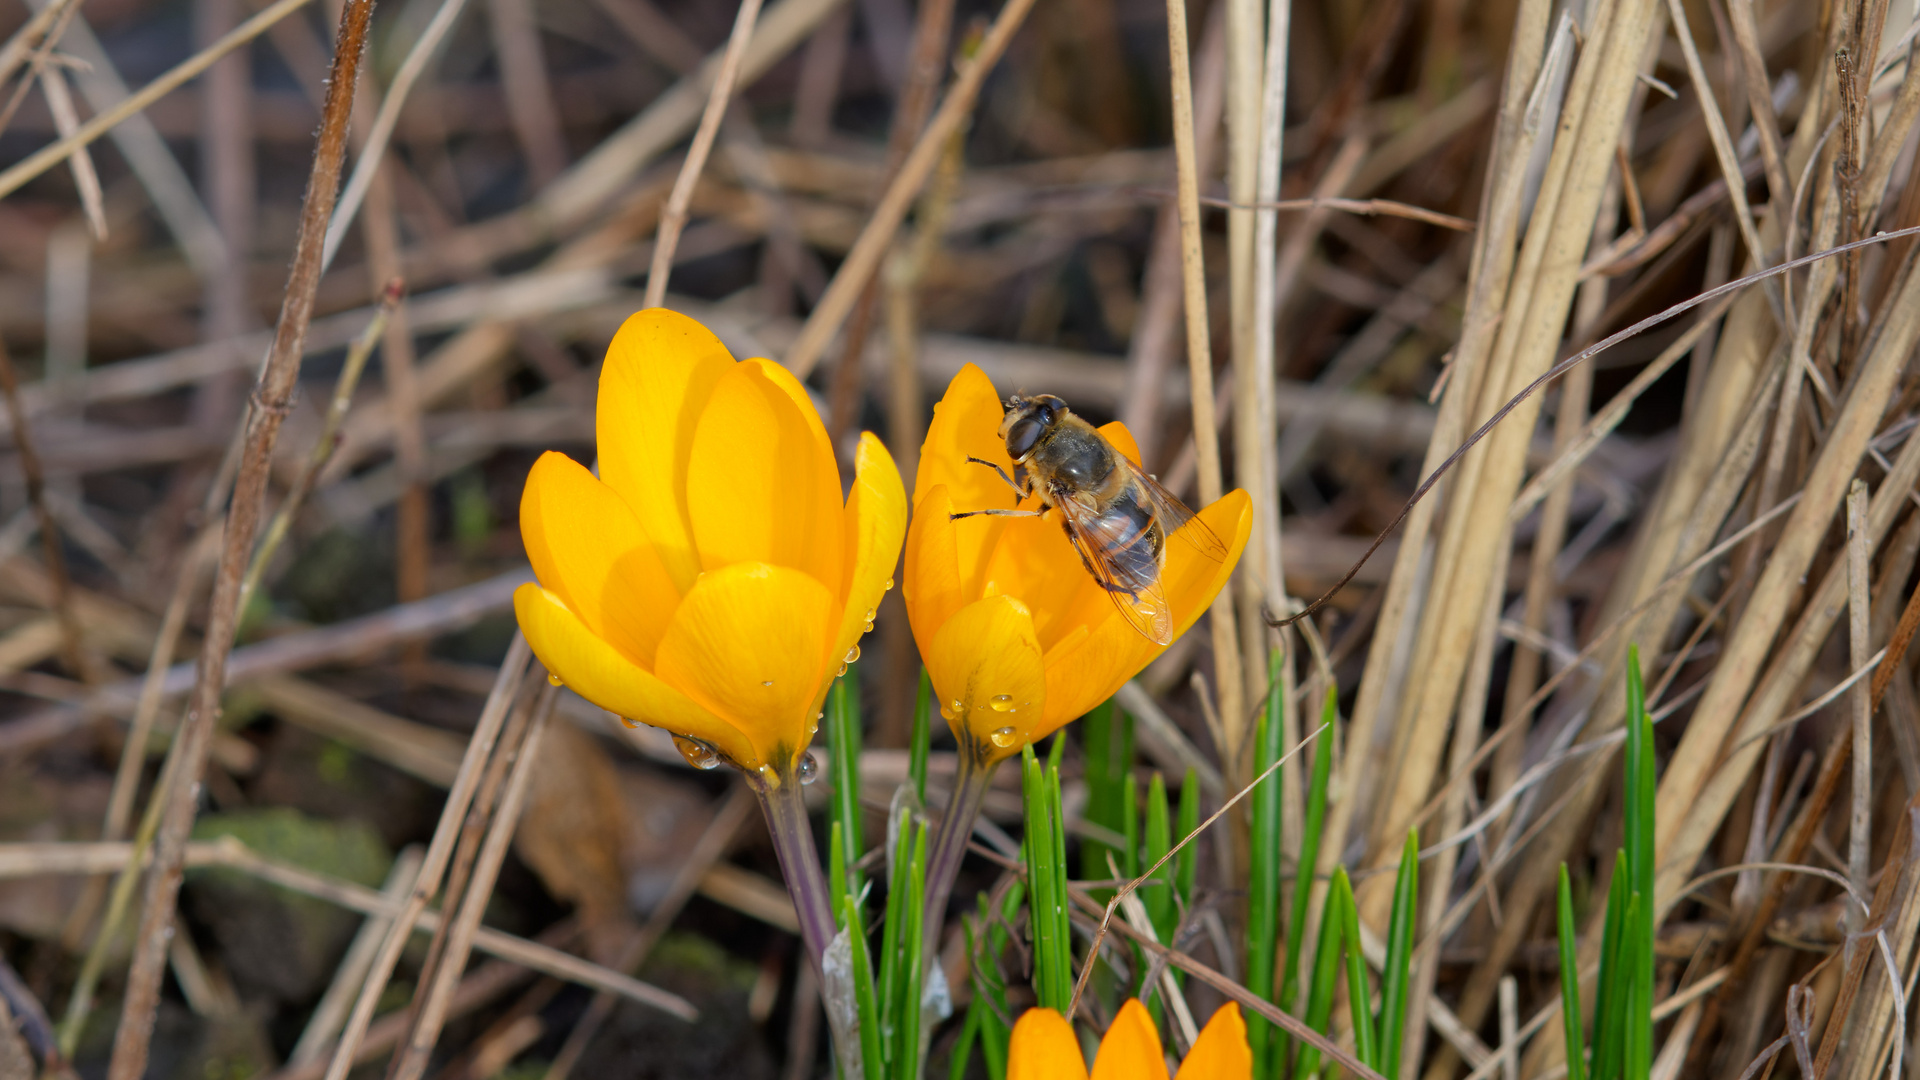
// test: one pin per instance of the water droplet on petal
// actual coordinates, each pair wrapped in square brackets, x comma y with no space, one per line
[698,754]
[552,678]
[766,682]
[1001,703]
[870,614]
[1003,737]
[956,707]
[868,629]
[853,654]
[889,583]
[809,769]
[842,671]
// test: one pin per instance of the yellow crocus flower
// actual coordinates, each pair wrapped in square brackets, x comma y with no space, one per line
[1017,636]
[711,580]
[1044,1048]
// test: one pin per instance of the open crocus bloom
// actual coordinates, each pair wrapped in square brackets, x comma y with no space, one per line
[711,580]
[1044,1048]
[1018,637]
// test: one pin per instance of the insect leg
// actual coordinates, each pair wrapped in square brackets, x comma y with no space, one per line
[1017,489]
[996,513]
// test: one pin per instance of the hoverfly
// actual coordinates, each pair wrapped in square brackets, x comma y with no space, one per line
[1116,516]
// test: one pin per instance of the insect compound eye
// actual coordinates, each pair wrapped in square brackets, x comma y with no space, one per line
[1045,416]
[1022,435]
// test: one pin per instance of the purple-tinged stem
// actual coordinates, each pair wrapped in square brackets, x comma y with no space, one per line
[799,861]
[970,786]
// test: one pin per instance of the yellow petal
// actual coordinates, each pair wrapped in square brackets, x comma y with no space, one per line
[1043,1048]
[931,586]
[986,668]
[966,424]
[587,547]
[1083,671]
[876,523]
[762,485]
[748,644]
[659,371]
[599,673]
[1131,1049]
[1220,1053]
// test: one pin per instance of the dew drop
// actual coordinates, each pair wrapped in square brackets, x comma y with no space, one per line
[1003,737]
[853,654]
[889,583]
[1001,703]
[868,629]
[766,682]
[809,769]
[698,754]
[870,614]
[552,678]
[842,671]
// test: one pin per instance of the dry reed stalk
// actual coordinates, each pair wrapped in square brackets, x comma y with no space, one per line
[674,218]
[1150,347]
[486,731]
[272,398]
[1860,825]
[410,1062]
[1544,280]
[864,257]
[703,856]
[72,644]
[932,29]
[47,157]
[1206,434]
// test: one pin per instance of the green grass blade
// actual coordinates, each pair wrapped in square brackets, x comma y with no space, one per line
[1130,820]
[837,869]
[1263,869]
[1638,1012]
[1340,905]
[1326,973]
[1062,927]
[922,737]
[1186,866]
[871,1059]
[1046,877]
[843,742]
[1310,830]
[1157,894]
[1398,973]
[1610,999]
[894,928]
[906,1009]
[1570,981]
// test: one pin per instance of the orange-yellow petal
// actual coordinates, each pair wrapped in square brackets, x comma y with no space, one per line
[762,485]
[931,587]
[965,424]
[1131,1048]
[1122,439]
[747,644]
[599,673]
[1221,1052]
[1043,1048]
[1084,670]
[986,669]
[587,547]
[660,369]
[876,523]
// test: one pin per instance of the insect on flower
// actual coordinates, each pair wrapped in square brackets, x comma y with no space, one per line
[1116,516]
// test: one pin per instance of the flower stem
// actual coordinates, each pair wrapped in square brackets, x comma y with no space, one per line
[950,843]
[799,862]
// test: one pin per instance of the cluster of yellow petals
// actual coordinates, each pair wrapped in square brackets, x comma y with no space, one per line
[1017,636]
[1044,1048]
[711,580]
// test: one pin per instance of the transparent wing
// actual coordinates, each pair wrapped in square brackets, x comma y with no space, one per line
[1125,561]
[1174,517]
